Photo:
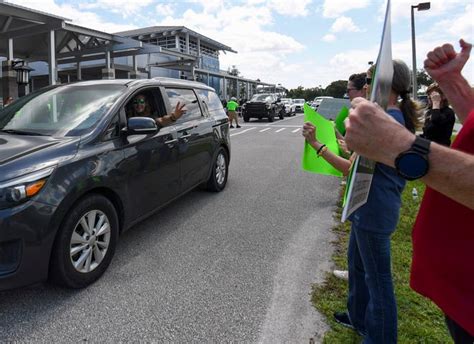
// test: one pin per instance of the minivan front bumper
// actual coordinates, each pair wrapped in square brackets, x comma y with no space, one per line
[26,239]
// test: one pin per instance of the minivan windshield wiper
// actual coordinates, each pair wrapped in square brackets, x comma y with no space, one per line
[21,132]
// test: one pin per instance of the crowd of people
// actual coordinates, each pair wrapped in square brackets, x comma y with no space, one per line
[443,234]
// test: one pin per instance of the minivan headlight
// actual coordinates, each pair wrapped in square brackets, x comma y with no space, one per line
[21,189]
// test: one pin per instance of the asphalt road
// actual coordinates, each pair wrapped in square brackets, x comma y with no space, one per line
[236,266]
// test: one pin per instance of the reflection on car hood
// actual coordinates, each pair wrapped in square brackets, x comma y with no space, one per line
[15,146]
[21,154]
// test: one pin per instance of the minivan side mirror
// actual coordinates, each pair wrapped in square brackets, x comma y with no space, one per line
[141,126]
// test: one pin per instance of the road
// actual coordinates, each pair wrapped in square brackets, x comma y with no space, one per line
[236,266]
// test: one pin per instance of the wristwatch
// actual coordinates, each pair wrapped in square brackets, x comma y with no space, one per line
[413,163]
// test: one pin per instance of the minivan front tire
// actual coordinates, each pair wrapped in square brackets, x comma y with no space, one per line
[220,171]
[85,243]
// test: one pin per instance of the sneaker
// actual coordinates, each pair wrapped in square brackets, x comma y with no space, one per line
[343,319]
[231,126]
[239,126]
[342,274]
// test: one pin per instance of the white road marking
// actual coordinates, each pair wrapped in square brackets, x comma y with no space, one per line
[296,130]
[261,131]
[280,130]
[243,131]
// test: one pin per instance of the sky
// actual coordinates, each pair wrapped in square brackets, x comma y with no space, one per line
[295,43]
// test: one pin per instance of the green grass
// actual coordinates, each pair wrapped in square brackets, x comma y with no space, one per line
[419,320]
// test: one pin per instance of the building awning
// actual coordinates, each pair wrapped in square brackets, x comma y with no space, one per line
[153,31]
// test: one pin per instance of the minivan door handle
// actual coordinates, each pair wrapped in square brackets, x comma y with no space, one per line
[171,143]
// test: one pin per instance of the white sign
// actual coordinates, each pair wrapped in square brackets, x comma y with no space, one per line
[360,179]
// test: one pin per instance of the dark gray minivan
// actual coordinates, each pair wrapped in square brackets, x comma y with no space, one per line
[76,171]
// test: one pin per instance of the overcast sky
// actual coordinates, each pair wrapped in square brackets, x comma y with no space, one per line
[292,42]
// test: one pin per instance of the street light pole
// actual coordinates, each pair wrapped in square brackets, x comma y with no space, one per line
[420,7]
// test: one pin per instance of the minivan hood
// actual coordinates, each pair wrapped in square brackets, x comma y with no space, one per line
[21,154]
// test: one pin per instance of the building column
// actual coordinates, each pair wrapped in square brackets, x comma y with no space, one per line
[108,73]
[79,71]
[225,89]
[9,85]
[187,43]
[134,74]
[53,70]
[178,48]
[237,88]
[199,52]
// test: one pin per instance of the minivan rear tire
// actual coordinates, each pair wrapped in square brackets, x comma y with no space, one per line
[101,211]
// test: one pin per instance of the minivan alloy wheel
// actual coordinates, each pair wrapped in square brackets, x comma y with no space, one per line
[221,168]
[90,241]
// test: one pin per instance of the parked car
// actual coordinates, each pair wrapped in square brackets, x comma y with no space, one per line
[329,108]
[297,106]
[263,105]
[75,171]
[317,101]
[287,102]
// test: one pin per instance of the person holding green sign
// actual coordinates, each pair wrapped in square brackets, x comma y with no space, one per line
[371,304]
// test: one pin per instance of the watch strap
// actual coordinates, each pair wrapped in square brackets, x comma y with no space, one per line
[421,145]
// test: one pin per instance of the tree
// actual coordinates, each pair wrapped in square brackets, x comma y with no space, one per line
[422,78]
[336,89]
[233,71]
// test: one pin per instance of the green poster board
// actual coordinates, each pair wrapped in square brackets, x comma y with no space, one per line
[325,134]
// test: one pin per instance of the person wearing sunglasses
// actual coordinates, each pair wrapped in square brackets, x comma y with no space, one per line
[141,108]
[371,305]
[442,268]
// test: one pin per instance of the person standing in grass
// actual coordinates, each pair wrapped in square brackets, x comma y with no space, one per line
[443,234]
[439,117]
[371,304]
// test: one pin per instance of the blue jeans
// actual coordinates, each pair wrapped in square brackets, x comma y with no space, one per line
[371,302]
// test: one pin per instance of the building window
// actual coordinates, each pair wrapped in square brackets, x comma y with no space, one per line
[182,44]
[205,50]
[168,42]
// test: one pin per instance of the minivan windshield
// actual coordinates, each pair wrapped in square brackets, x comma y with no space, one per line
[68,110]
[261,98]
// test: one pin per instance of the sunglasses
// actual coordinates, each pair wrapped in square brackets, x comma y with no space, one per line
[351,89]
[139,101]
[368,81]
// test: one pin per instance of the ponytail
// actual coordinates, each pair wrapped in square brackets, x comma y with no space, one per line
[412,110]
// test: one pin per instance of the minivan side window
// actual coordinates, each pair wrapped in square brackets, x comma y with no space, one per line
[212,101]
[188,97]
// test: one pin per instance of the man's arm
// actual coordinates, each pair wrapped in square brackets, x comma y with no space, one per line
[375,135]
[444,65]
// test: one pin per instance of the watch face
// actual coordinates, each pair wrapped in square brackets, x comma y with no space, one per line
[412,165]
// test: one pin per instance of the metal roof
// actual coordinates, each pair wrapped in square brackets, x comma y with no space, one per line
[148,31]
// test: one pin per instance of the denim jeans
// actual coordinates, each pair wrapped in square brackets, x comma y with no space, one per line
[371,303]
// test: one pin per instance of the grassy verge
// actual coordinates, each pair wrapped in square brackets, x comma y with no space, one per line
[419,320]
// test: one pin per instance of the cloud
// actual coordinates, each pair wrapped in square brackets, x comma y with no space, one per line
[292,8]
[209,6]
[334,8]
[329,38]
[401,9]
[342,24]
[165,9]
[125,8]
[79,17]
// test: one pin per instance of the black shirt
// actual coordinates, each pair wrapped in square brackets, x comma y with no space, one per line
[439,124]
